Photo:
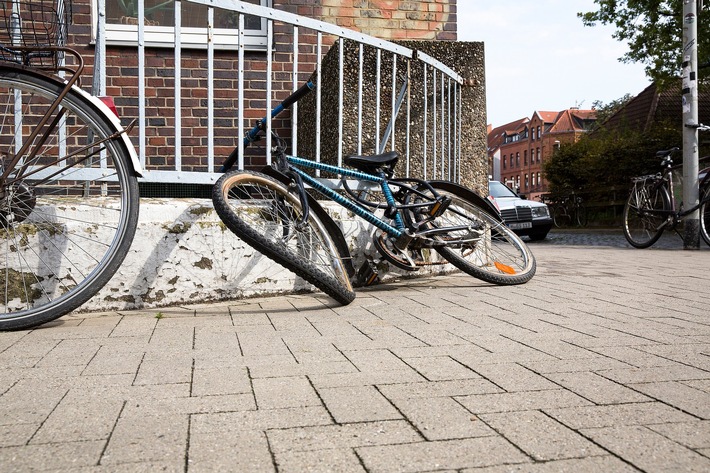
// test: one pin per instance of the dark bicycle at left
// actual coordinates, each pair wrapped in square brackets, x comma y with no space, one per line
[68,173]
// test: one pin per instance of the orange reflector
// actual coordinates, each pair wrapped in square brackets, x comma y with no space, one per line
[504,268]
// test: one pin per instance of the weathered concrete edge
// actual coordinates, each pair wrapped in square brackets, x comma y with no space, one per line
[182,253]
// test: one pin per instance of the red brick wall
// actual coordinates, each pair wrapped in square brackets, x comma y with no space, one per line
[388,19]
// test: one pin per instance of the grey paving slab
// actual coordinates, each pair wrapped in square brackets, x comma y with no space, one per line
[442,418]
[540,436]
[679,395]
[647,449]
[596,364]
[692,434]
[357,404]
[578,465]
[436,455]
[596,388]
[646,413]
[342,460]
[341,436]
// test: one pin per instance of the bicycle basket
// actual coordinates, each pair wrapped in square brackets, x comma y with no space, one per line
[33,30]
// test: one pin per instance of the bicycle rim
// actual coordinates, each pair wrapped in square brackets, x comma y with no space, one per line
[705,215]
[645,214]
[263,213]
[68,209]
[479,244]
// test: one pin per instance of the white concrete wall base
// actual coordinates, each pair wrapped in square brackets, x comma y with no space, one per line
[182,253]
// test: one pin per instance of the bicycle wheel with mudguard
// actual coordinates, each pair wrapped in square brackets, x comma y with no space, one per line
[261,211]
[68,207]
[705,214]
[477,242]
[646,213]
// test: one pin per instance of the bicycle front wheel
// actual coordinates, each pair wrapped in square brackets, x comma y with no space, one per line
[68,202]
[476,242]
[262,212]
[705,214]
[645,213]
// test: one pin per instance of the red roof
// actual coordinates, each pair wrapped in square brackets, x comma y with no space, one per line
[496,136]
[573,120]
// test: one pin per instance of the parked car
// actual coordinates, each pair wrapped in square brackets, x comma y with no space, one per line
[525,217]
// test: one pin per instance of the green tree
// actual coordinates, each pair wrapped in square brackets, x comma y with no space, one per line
[653,30]
[607,159]
[605,110]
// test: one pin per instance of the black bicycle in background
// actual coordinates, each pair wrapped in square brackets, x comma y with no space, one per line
[651,206]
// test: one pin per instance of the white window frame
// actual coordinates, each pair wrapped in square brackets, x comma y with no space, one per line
[195,38]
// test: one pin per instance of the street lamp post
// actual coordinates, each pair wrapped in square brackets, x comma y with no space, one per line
[691,240]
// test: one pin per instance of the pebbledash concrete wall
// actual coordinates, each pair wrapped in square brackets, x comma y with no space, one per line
[466,58]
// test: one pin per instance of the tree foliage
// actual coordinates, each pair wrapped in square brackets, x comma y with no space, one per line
[653,30]
[608,159]
[606,110]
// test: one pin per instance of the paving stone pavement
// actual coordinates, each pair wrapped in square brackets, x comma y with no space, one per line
[600,363]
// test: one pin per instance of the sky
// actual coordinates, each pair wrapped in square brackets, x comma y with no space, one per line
[539,56]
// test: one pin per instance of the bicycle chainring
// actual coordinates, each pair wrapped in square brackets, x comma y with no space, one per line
[406,260]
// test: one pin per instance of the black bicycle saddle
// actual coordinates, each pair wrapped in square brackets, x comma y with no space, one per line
[370,164]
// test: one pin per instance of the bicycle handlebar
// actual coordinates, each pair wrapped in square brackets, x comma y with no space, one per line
[253,134]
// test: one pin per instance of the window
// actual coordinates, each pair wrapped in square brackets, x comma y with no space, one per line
[525,157]
[533,179]
[537,152]
[505,161]
[526,181]
[121,25]
[539,136]
[517,159]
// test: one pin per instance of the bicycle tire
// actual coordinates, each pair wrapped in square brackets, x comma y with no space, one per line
[64,235]
[263,213]
[496,254]
[645,213]
[560,217]
[705,215]
[582,216]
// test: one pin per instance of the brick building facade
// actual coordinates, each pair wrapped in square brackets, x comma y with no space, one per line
[517,150]
[387,19]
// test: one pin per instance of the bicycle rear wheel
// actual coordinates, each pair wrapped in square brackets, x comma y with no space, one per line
[262,212]
[68,209]
[560,217]
[645,213]
[705,214]
[478,243]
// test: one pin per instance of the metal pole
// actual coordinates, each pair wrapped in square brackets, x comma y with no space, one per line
[691,240]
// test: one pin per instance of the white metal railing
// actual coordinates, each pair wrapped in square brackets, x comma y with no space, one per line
[440,91]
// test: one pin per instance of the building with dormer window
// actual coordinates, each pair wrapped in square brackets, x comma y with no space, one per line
[517,150]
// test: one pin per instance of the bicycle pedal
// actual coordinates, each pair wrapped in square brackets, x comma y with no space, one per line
[438,208]
[368,275]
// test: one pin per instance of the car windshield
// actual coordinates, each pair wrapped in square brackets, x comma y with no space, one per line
[496,189]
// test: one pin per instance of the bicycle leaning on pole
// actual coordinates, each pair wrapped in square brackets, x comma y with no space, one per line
[273,212]
[68,188]
[651,206]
